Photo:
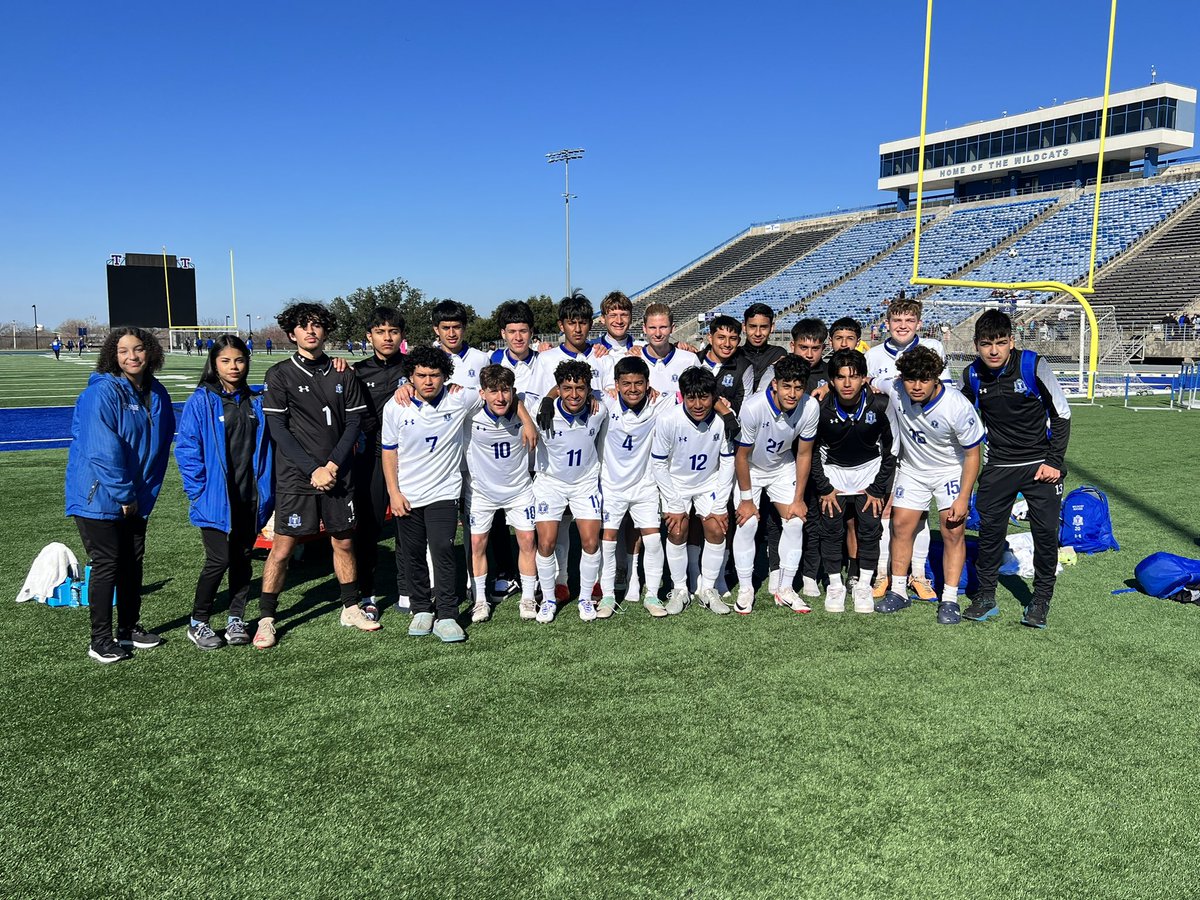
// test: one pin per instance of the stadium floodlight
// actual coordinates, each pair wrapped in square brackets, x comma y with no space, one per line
[249,333]
[35,334]
[565,157]
[1047,286]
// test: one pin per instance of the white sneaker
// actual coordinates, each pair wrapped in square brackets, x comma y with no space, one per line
[710,599]
[546,611]
[809,587]
[864,602]
[835,598]
[481,612]
[677,600]
[788,597]
[773,580]
[528,608]
[587,610]
[744,605]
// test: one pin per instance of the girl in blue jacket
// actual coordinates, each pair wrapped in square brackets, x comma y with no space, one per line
[121,440]
[224,455]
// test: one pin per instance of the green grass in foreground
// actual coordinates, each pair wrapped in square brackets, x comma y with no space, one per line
[769,756]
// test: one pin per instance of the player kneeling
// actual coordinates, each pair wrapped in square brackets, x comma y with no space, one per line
[568,477]
[500,482]
[939,437]
[771,424]
[692,461]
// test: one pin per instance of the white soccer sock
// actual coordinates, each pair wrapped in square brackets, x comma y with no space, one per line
[920,554]
[631,574]
[608,569]
[773,580]
[677,562]
[791,547]
[693,569]
[710,565]
[589,572]
[835,579]
[720,584]
[547,568]
[899,582]
[480,589]
[528,586]
[561,552]
[885,544]
[653,560]
[744,551]
[950,593]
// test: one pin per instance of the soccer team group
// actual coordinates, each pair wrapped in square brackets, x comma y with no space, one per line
[828,464]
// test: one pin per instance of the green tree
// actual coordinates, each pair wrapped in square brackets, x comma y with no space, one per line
[482,331]
[354,310]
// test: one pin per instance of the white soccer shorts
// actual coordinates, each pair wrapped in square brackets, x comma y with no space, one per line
[553,497]
[518,512]
[780,486]
[705,504]
[914,489]
[853,479]
[643,511]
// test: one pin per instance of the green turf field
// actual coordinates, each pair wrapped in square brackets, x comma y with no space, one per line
[769,756]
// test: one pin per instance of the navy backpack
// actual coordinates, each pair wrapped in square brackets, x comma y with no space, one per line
[1086,524]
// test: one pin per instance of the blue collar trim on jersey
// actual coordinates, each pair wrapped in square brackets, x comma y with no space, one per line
[771,402]
[580,416]
[573,354]
[512,411]
[462,354]
[528,361]
[857,414]
[889,344]
[936,400]
[711,364]
[708,420]
[637,410]
[604,340]
[654,359]
[435,402]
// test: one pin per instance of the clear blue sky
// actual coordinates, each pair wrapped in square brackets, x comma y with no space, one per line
[334,146]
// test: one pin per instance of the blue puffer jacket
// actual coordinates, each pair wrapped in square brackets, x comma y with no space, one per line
[119,451]
[200,454]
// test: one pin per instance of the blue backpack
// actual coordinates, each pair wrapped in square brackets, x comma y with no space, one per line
[1166,575]
[1028,384]
[1086,523]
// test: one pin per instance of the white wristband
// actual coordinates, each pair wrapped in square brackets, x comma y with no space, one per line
[745,495]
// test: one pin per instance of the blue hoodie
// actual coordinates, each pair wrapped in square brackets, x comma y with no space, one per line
[119,451]
[202,460]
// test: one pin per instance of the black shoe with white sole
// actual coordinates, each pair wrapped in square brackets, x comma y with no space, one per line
[106,650]
[138,638]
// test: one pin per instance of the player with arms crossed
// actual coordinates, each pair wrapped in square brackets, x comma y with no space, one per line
[692,462]
[772,423]
[315,413]
[939,436]
[852,471]
[1028,424]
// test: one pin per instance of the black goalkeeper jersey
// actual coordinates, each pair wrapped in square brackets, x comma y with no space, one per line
[380,378]
[319,410]
[854,437]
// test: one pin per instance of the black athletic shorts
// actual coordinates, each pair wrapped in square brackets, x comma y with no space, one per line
[298,515]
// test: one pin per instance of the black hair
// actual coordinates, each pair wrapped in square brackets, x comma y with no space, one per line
[697,382]
[385,315]
[631,365]
[209,374]
[450,311]
[792,368]
[847,323]
[106,362]
[729,323]
[514,312]
[758,309]
[573,370]
[427,358]
[575,308]
[920,364]
[993,325]
[297,315]
[493,377]
[847,359]
[810,330]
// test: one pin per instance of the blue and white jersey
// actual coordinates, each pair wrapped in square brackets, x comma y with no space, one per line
[569,452]
[664,372]
[496,460]
[691,455]
[771,432]
[542,381]
[468,363]
[429,441]
[522,369]
[625,443]
[881,359]
[934,436]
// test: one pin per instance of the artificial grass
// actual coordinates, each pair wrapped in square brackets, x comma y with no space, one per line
[776,755]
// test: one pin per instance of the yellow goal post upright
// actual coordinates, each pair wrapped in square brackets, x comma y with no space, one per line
[1046,286]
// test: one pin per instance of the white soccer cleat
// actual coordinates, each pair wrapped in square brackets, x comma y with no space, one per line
[546,611]
[809,587]
[835,598]
[711,600]
[528,608]
[864,600]
[789,598]
[587,610]
[773,580]
[677,601]
[744,604]
[481,612]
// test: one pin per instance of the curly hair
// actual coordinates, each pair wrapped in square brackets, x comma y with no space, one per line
[427,358]
[920,364]
[297,315]
[792,368]
[107,363]
[573,370]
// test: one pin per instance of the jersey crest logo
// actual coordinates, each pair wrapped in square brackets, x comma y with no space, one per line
[304,388]
[870,417]
[446,417]
[821,382]
[337,389]
[543,507]
[294,520]
[674,377]
[900,492]
[727,381]
[471,372]
[935,423]
[1019,386]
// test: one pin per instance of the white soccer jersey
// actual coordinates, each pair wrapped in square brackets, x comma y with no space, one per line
[569,453]
[692,453]
[933,437]
[468,363]
[497,461]
[522,369]
[665,372]
[881,359]
[772,432]
[625,444]
[542,381]
[429,441]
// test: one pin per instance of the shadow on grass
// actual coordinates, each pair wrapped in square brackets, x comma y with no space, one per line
[1154,513]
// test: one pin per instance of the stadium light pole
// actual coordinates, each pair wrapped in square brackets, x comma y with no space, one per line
[565,157]
[249,333]
[35,334]
[14,334]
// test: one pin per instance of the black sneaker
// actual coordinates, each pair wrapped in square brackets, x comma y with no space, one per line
[138,638]
[236,633]
[981,610]
[204,637]
[106,650]
[1035,615]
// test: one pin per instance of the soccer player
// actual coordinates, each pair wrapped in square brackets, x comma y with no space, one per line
[852,471]
[692,462]
[758,322]
[808,343]
[724,358]
[904,333]
[667,361]
[515,320]
[1028,424]
[568,477]
[616,313]
[626,484]
[772,423]
[315,414]
[450,320]
[846,334]
[380,374]
[939,436]
[500,482]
